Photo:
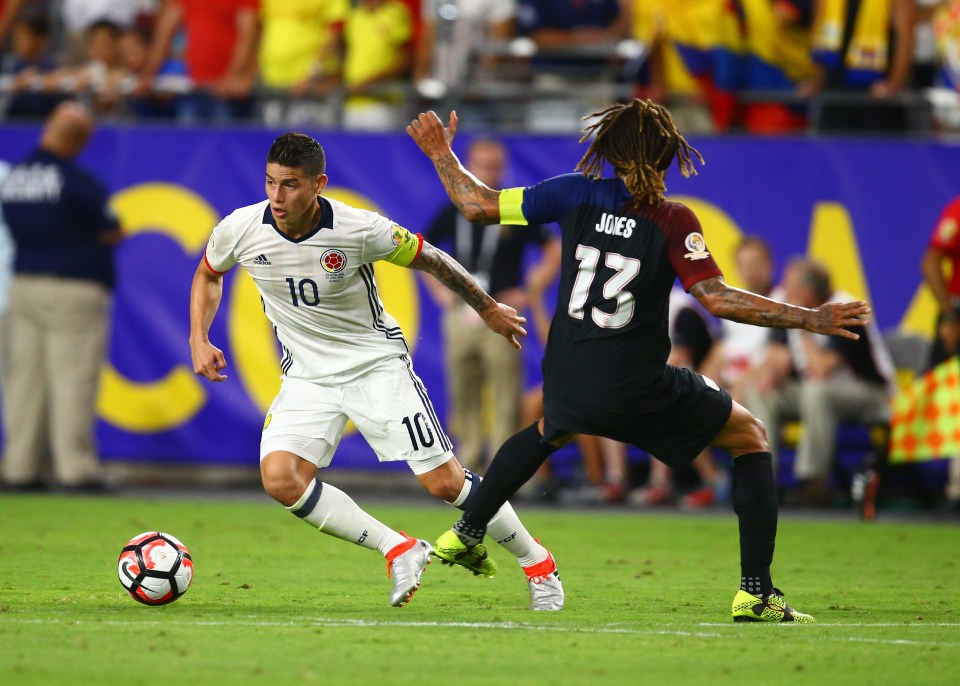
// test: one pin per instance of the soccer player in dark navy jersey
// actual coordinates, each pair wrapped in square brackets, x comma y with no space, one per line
[604,367]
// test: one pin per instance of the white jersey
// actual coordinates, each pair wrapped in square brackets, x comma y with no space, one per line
[318,290]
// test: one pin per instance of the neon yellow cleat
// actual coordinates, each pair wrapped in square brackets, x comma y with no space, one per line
[772,608]
[452,551]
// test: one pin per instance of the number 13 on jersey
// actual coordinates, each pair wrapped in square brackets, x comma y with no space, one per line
[614,289]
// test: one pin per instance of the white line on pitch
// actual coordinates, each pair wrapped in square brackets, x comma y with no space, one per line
[361,623]
[852,624]
[514,626]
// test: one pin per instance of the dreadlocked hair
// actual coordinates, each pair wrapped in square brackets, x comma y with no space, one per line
[640,140]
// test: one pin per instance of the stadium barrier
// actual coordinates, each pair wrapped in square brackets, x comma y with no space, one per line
[865,207]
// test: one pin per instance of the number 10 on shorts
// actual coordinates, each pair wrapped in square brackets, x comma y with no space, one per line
[418,428]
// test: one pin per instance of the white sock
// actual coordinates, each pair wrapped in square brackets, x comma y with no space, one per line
[335,513]
[506,528]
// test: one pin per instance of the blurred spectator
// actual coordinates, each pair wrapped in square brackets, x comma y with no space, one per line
[736,357]
[78,16]
[864,47]
[575,42]
[941,271]
[301,53]
[30,62]
[220,54]
[494,256]
[299,42]
[692,334]
[946,29]
[134,46]
[9,9]
[452,31]
[98,78]
[6,274]
[925,56]
[60,303]
[375,71]
[558,24]
[821,381]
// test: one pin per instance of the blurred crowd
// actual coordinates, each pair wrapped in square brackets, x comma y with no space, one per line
[755,65]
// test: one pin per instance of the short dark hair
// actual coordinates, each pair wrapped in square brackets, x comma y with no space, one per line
[298,151]
[37,23]
[755,241]
[815,276]
[106,25]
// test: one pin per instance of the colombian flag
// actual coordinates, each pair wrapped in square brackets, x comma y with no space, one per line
[926,416]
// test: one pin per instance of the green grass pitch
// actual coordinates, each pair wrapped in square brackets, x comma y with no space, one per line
[648,598]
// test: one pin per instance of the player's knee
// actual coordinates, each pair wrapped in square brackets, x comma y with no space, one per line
[444,482]
[754,437]
[281,481]
[446,488]
[759,436]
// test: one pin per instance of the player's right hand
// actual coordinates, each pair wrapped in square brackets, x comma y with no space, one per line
[833,318]
[430,135]
[208,360]
[505,320]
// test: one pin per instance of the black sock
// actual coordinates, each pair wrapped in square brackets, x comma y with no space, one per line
[755,502]
[515,463]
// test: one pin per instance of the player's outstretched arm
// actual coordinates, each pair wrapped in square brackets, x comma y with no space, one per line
[205,295]
[500,318]
[738,305]
[479,203]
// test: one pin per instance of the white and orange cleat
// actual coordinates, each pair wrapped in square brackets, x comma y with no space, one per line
[546,591]
[405,563]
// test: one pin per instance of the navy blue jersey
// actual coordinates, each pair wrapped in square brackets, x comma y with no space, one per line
[609,341]
[57,213]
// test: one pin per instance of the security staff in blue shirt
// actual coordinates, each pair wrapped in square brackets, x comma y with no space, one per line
[59,307]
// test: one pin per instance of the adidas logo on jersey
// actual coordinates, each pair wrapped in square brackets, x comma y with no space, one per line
[261,259]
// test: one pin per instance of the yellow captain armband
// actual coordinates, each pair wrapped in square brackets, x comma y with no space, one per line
[511,207]
[408,246]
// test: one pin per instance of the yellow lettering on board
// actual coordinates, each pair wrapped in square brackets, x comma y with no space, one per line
[833,242]
[155,406]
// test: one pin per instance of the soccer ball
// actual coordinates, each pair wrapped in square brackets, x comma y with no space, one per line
[155,568]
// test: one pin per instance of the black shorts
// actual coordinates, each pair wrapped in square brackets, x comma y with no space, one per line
[687,415]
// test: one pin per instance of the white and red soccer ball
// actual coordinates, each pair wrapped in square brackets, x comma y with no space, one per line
[155,568]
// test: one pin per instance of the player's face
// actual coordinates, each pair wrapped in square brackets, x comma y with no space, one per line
[292,195]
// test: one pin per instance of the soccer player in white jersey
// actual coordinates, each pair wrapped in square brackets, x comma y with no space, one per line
[344,357]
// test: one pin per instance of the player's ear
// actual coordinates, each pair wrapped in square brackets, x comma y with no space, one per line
[321,182]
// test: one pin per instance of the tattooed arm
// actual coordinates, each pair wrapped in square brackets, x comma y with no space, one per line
[742,306]
[500,318]
[479,203]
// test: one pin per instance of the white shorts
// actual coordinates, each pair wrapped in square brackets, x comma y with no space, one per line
[389,406]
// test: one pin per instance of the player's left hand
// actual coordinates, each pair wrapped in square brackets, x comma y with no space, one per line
[832,318]
[429,133]
[504,320]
